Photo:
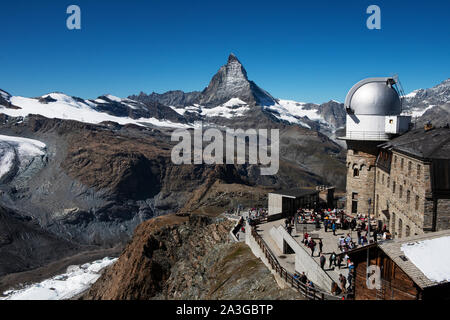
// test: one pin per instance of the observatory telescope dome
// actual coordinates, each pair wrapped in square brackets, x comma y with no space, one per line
[373,96]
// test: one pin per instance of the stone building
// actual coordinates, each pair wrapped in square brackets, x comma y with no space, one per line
[397,174]
[373,116]
[412,185]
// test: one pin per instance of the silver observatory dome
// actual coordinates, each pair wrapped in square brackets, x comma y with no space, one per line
[373,96]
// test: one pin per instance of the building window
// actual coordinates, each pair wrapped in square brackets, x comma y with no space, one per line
[401,164]
[382,179]
[356,172]
[409,167]
[354,202]
[393,187]
[377,203]
[408,195]
[400,192]
[395,161]
[400,227]
[388,181]
[407,231]
[418,171]
[417,202]
[393,223]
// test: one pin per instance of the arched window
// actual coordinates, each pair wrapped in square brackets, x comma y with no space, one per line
[407,231]
[356,172]
[400,192]
[393,187]
[409,167]
[417,203]
[408,196]
[400,227]
[418,171]
[401,164]
[388,181]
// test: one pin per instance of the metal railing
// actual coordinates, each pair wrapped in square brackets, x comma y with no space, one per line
[308,292]
[367,135]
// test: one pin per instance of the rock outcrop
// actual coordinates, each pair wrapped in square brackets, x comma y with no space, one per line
[178,258]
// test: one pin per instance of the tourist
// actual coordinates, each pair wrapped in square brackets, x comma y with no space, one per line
[325,224]
[312,245]
[320,246]
[333,227]
[351,266]
[303,278]
[339,261]
[364,240]
[350,278]
[359,236]
[347,259]
[343,282]
[335,289]
[332,259]
[322,261]
[305,238]
[353,224]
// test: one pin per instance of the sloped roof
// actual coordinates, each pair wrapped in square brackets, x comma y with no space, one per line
[393,248]
[431,144]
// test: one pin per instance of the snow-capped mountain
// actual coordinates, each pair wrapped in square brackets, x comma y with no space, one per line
[229,96]
[104,108]
[230,82]
[429,105]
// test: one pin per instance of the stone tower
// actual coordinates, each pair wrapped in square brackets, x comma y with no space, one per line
[373,109]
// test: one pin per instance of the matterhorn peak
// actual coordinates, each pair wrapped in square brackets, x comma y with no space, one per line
[231,82]
[232,58]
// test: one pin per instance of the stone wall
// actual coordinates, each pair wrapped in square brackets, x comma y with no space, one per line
[406,193]
[443,218]
[303,260]
[361,156]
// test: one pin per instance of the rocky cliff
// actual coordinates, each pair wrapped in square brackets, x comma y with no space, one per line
[178,258]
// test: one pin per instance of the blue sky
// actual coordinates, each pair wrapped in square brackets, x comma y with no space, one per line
[310,51]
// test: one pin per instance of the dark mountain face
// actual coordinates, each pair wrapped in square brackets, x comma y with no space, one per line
[24,244]
[176,98]
[231,82]
[432,105]
[333,112]
[136,109]
[5,100]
